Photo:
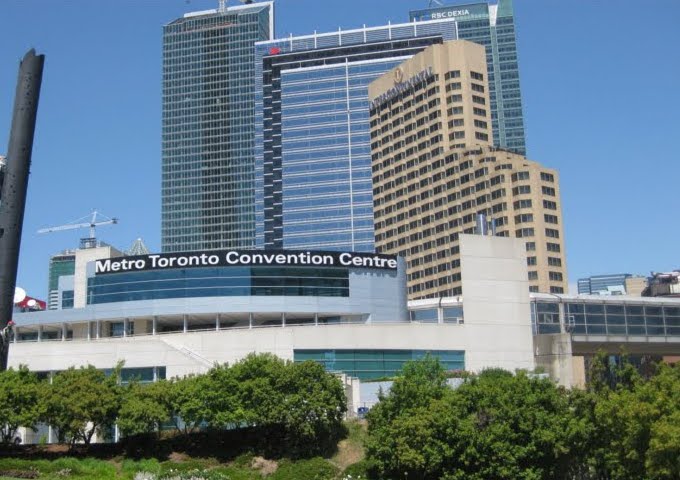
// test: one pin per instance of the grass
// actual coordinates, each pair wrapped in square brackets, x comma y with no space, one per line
[351,449]
[244,467]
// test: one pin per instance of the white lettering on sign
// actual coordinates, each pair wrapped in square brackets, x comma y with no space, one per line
[245,258]
[113,265]
[449,14]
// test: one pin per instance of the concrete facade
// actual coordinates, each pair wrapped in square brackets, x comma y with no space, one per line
[497,314]
[496,323]
[189,335]
[83,257]
[435,171]
[635,285]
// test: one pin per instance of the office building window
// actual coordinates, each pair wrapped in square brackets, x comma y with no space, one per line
[520,176]
[552,233]
[547,177]
[555,276]
[524,232]
[524,218]
[554,262]
[553,247]
[521,190]
[522,204]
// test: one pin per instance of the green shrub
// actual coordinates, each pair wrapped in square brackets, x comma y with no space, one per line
[357,471]
[313,469]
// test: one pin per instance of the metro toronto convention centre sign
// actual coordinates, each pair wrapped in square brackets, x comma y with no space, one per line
[245,258]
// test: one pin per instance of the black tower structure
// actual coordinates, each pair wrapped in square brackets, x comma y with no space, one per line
[14,186]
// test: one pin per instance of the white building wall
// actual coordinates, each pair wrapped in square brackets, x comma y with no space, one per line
[195,352]
[496,302]
[83,257]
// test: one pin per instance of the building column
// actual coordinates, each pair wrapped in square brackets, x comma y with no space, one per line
[185,323]
[125,327]
[250,320]
[89,330]
[316,319]
[562,317]
[40,332]
[15,333]
[64,331]
[217,322]
[283,319]
[154,325]
[98,330]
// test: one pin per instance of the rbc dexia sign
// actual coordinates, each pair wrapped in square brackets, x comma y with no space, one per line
[456,12]
[245,258]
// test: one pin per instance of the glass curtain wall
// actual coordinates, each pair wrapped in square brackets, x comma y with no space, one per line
[208,131]
[338,67]
[326,157]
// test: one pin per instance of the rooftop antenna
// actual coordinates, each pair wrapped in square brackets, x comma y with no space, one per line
[222,9]
[436,2]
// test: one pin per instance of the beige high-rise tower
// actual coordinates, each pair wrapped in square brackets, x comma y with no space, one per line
[435,171]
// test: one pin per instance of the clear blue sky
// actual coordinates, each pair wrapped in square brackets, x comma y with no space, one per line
[600,82]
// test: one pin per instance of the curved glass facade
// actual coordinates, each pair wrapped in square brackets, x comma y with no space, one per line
[218,282]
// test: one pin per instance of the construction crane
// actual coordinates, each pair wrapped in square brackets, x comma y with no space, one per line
[84,223]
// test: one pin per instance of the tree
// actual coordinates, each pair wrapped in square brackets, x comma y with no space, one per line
[419,383]
[401,439]
[20,401]
[259,392]
[636,429]
[496,425]
[144,408]
[608,373]
[82,401]
[187,403]
[221,396]
[313,408]
[299,407]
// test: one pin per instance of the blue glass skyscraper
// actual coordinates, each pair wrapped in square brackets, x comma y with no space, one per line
[208,132]
[493,26]
[313,160]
